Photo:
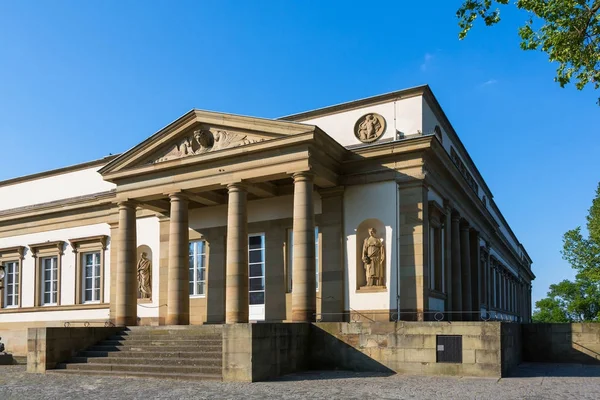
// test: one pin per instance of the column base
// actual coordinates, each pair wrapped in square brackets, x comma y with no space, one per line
[303,315]
[177,319]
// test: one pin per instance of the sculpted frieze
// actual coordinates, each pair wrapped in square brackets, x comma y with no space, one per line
[203,141]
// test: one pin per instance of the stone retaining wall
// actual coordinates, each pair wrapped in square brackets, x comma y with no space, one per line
[48,346]
[410,347]
[562,343]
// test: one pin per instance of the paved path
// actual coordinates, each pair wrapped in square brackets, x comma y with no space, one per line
[535,381]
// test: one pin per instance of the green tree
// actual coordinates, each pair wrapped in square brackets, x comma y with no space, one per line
[579,300]
[567,30]
[568,301]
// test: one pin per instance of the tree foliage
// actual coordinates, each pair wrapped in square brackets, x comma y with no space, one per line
[567,30]
[579,300]
[568,301]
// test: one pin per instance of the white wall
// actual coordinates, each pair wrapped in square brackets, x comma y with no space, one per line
[148,233]
[375,200]
[52,188]
[401,115]
[67,292]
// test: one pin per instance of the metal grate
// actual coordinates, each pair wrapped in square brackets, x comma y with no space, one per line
[449,349]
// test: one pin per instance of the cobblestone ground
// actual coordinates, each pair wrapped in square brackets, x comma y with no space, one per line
[534,381]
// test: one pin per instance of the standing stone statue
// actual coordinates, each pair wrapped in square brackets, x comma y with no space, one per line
[373,257]
[144,269]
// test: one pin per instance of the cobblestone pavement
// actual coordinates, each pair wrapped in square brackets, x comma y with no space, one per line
[534,381]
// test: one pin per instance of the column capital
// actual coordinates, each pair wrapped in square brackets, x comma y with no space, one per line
[127,204]
[303,176]
[178,196]
[455,216]
[464,225]
[237,187]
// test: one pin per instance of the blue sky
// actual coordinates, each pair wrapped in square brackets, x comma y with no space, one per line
[80,80]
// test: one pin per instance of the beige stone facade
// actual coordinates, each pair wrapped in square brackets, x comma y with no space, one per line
[253,217]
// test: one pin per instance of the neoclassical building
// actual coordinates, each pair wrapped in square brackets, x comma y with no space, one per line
[367,210]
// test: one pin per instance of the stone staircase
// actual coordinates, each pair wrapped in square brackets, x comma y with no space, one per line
[166,352]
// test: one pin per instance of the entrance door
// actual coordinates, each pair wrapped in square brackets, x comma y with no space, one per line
[256,276]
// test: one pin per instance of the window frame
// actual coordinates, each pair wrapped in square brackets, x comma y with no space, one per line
[81,247]
[13,254]
[42,251]
[263,249]
[54,273]
[196,280]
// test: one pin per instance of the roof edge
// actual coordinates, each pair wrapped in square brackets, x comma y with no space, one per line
[58,171]
[409,92]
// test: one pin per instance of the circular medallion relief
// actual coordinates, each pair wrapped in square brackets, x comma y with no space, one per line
[369,127]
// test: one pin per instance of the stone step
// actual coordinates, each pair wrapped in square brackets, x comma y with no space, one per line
[198,362]
[160,343]
[148,375]
[165,337]
[157,369]
[151,349]
[174,330]
[212,355]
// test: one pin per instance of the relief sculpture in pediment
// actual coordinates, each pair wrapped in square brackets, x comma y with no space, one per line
[204,141]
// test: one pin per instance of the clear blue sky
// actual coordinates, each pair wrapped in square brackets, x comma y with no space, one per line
[82,79]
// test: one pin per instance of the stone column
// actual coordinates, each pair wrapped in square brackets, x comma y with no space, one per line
[178,290]
[465,257]
[236,281]
[304,287]
[488,278]
[457,304]
[126,296]
[449,284]
[475,273]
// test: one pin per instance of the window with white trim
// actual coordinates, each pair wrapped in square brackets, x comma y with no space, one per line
[197,268]
[290,258]
[49,281]
[256,269]
[11,284]
[91,277]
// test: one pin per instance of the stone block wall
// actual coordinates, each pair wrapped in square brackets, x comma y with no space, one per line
[568,343]
[410,347]
[48,346]
[257,352]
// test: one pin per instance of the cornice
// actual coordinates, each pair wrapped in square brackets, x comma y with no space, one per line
[58,244]
[76,242]
[20,250]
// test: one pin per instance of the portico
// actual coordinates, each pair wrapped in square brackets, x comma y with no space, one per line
[172,180]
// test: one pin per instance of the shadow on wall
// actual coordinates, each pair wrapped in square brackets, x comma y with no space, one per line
[561,343]
[329,352]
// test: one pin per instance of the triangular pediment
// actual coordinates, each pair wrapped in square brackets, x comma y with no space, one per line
[199,133]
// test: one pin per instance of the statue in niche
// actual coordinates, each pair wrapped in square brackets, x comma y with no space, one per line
[373,257]
[144,269]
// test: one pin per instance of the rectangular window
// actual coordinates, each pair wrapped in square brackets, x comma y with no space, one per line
[49,281]
[91,277]
[198,268]
[11,284]
[290,258]
[256,269]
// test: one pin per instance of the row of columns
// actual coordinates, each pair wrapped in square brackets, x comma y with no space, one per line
[465,277]
[236,281]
